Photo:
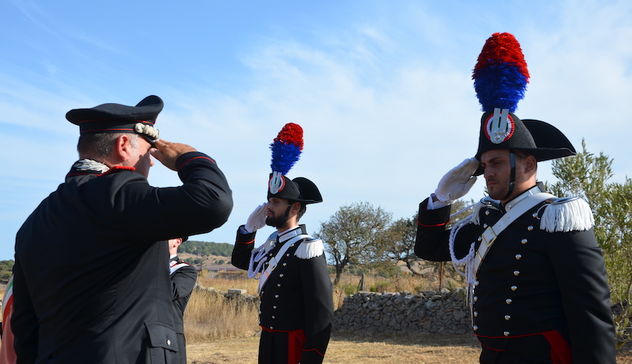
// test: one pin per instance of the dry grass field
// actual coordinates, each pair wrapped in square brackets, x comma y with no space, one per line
[349,284]
[421,349]
[433,350]
[225,281]
[218,332]
[210,317]
[222,332]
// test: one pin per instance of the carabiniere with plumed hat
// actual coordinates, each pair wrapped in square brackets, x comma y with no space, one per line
[296,295]
[537,287]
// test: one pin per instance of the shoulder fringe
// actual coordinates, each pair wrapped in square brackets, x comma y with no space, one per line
[476,212]
[310,249]
[567,215]
[472,217]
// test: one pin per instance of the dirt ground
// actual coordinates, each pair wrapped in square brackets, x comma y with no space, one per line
[244,351]
[423,350]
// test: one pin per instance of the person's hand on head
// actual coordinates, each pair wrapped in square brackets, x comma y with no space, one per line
[167,152]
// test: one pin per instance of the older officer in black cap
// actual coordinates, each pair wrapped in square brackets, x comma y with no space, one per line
[296,296]
[91,275]
[537,283]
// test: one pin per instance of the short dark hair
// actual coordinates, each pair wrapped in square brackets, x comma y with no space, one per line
[302,210]
[520,154]
[523,155]
[98,144]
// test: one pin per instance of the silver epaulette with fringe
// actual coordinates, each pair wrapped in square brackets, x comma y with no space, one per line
[310,249]
[567,214]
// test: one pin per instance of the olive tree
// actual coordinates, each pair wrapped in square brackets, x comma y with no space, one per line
[353,235]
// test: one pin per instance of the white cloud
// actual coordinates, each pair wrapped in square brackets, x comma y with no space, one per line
[40,106]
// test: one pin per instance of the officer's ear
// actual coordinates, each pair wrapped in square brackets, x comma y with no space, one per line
[527,164]
[530,165]
[123,147]
[295,208]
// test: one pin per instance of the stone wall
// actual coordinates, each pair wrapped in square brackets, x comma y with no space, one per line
[237,296]
[371,313]
[442,312]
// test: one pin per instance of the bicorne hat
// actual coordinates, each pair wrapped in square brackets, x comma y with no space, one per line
[117,118]
[500,80]
[286,150]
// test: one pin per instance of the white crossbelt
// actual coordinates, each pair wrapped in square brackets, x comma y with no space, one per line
[491,233]
[272,263]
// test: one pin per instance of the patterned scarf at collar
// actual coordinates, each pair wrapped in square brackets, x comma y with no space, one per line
[90,165]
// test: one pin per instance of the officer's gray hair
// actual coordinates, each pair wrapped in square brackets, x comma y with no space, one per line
[100,144]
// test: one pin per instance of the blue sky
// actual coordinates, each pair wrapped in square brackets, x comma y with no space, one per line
[382,89]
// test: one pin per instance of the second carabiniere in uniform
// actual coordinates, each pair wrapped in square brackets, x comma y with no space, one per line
[296,295]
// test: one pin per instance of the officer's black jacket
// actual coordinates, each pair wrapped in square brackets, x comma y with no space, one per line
[531,280]
[91,265]
[182,283]
[183,280]
[296,296]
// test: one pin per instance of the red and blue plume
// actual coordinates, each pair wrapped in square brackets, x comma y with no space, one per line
[500,75]
[286,148]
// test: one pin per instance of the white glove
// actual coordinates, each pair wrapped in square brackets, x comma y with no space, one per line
[457,182]
[257,219]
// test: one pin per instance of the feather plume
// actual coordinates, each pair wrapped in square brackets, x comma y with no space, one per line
[286,148]
[500,75]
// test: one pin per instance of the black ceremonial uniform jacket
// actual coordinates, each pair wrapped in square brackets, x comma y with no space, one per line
[183,277]
[91,265]
[298,293]
[531,280]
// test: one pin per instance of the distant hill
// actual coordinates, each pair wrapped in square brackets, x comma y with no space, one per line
[202,253]
[206,248]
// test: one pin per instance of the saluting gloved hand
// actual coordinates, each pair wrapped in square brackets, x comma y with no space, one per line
[457,182]
[257,219]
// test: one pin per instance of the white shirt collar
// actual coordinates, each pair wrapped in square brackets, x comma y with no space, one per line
[530,192]
[289,234]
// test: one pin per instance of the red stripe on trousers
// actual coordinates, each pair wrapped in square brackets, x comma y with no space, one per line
[560,350]
[295,342]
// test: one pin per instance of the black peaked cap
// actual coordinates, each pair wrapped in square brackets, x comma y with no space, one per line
[113,117]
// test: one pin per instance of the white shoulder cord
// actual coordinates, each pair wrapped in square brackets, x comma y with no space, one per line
[466,260]
[468,272]
[257,255]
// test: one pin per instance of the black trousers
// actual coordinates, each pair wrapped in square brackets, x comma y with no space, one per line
[547,348]
[280,347]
